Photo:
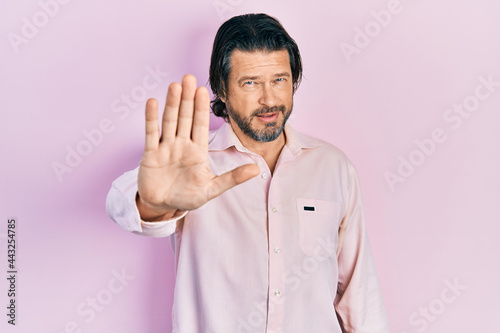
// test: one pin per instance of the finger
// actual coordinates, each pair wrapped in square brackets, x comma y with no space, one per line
[169,123]
[232,178]
[201,118]
[185,121]
[152,126]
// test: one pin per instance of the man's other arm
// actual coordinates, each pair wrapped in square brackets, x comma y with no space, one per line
[359,304]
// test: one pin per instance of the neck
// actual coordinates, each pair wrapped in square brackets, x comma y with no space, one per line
[270,151]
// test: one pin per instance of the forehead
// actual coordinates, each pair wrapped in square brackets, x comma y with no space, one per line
[259,63]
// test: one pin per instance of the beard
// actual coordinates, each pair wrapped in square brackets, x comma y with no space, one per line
[270,132]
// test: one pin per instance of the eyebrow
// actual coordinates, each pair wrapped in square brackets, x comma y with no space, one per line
[253,78]
[248,78]
[282,74]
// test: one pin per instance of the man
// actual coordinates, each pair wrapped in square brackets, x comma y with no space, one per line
[267,227]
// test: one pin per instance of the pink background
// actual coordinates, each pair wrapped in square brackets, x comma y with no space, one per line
[438,228]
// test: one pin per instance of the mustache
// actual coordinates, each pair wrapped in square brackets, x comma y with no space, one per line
[265,110]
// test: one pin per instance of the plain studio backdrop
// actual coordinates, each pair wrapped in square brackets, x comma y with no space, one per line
[409,90]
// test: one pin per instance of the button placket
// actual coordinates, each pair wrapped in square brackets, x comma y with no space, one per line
[277,289]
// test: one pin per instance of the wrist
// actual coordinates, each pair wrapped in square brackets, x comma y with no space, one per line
[151,213]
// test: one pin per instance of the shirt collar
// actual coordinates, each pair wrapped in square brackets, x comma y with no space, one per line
[225,137]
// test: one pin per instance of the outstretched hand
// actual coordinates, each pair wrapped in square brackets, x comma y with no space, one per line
[174,173]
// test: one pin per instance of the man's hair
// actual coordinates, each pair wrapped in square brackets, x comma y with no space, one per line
[248,33]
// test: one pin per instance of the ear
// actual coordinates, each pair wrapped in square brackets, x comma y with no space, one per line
[223,93]
[222,96]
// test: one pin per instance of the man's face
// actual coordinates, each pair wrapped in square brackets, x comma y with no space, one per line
[260,93]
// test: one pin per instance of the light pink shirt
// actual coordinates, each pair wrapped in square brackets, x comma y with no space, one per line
[281,253]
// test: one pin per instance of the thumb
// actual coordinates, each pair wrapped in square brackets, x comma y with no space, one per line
[224,182]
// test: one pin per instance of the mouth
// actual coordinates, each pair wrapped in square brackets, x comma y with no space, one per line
[268,117]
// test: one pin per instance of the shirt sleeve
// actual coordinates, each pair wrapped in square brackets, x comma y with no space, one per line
[359,304]
[121,208]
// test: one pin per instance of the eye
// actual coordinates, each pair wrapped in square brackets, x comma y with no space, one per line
[249,83]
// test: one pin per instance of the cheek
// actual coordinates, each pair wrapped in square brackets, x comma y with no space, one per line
[287,98]
[247,102]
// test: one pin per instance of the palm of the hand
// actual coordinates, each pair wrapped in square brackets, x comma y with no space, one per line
[179,177]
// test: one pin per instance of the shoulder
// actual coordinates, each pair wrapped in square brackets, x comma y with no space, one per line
[325,157]
[321,147]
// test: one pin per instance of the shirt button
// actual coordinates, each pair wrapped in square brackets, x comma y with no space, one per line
[275,210]
[277,292]
[277,250]
[265,175]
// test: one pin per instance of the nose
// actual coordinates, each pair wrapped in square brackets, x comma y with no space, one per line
[268,96]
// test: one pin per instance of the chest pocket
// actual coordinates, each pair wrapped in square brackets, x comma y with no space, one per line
[318,226]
